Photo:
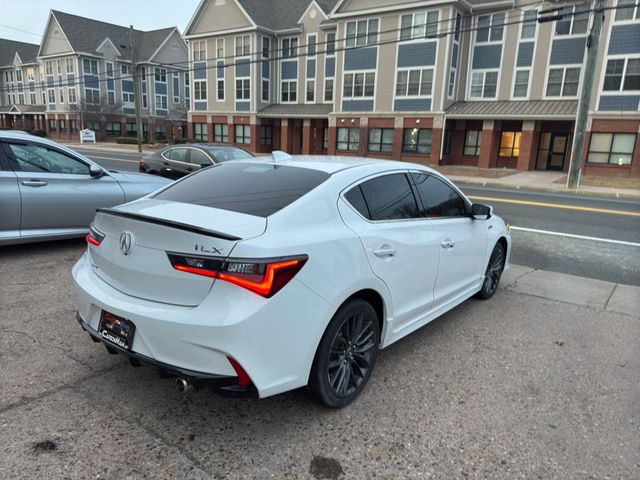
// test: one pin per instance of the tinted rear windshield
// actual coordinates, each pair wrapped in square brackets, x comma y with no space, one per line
[255,189]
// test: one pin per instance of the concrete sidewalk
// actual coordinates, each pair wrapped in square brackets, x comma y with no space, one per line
[110,147]
[608,296]
[545,181]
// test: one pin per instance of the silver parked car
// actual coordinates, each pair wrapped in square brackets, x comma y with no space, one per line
[50,192]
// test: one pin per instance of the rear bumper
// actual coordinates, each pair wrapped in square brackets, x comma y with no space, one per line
[223,384]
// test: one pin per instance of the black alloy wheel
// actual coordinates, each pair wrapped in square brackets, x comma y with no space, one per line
[493,273]
[346,355]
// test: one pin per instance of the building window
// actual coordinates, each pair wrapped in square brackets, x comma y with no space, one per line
[113,129]
[60,95]
[160,75]
[176,87]
[348,139]
[627,10]
[199,51]
[452,83]
[419,25]
[448,139]
[90,67]
[288,90]
[325,138]
[220,48]
[220,90]
[328,90]
[53,125]
[266,47]
[311,91]
[243,134]
[52,96]
[132,130]
[220,132]
[380,139]
[266,134]
[243,45]
[484,84]
[124,70]
[265,90]
[414,83]
[510,144]
[200,132]
[362,32]
[243,88]
[32,97]
[63,126]
[18,75]
[359,85]
[417,140]
[472,143]
[74,126]
[490,28]
[529,23]
[521,84]
[200,89]
[91,95]
[311,45]
[611,148]
[161,102]
[575,20]
[71,65]
[563,82]
[330,48]
[619,69]
[289,47]
[128,98]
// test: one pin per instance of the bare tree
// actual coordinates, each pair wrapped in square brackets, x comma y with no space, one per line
[99,113]
[176,120]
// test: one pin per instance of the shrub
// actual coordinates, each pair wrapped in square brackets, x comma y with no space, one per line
[127,140]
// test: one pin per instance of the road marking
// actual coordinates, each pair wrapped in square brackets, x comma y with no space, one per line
[558,194]
[571,235]
[557,205]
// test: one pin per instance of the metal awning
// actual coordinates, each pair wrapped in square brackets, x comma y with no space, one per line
[296,110]
[515,110]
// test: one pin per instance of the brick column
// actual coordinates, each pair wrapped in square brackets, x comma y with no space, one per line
[527,158]
[306,136]
[488,144]
[285,139]
[436,140]
[190,129]
[46,127]
[254,146]
[331,150]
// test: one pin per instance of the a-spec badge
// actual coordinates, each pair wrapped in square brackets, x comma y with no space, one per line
[126,242]
[203,249]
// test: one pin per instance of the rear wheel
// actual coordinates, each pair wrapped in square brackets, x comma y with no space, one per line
[493,273]
[346,355]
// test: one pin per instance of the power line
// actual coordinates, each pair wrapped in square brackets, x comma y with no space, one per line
[307,54]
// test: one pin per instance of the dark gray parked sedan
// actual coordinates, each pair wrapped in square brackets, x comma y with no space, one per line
[50,192]
[180,160]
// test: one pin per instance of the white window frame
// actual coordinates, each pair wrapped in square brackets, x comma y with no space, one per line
[451,86]
[70,65]
[73,98]
[326,45]
[161,97]
[522,25]
[197,47]
[289,48]
[484,81]
[224,89]
[635,18]
[218,42]
[352,41]
[158,72]
[414,37]
[197,91]
[573,19]
[243,80]
[306,87]
[262,78]
[176,98]
[289,82]
[409,70]
[491,16]
[353,85]
[333,90]
[513,85]
[620,91]
[244,45]
[564,76]
[315,45]
[128,99]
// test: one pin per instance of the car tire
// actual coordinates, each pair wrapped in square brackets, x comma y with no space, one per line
[492,275]
[346,355]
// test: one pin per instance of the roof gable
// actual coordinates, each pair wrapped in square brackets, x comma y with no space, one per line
[54,40]
[218,15]
[9,49]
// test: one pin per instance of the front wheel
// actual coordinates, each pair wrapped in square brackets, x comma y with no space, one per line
[346,355]
[493,273]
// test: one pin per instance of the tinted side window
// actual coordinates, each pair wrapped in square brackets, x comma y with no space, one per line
[178,154]
[390,197]
[255,189]
[356,199]
[198,157]
[224,154]
[34,158]
[438,198]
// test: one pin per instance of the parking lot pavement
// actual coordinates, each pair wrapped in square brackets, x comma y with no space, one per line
[518,386]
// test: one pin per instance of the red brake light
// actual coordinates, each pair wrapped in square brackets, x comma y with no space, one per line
[94,237]
[264,277]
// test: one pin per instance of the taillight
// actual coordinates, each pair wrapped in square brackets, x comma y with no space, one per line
[94,237]
[264,277]
[243,377]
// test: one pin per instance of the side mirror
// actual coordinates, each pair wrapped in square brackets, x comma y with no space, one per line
[95,171]
[481,212]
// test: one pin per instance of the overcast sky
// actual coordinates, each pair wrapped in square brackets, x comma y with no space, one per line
[24,20]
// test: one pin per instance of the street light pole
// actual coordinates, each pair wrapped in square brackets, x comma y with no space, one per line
[136,90]
[593,42]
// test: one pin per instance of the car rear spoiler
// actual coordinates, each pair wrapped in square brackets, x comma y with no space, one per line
[168,223]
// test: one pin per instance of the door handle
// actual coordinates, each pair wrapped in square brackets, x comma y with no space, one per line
[385,251]
[35,183]
[448,244]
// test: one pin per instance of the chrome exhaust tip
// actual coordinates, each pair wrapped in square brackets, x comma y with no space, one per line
[183,386]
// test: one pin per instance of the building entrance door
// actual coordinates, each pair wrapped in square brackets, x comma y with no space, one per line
[552,151]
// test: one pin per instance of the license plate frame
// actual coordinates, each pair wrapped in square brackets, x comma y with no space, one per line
[116,330]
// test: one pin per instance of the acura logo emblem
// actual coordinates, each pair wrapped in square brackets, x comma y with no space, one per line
[126,242]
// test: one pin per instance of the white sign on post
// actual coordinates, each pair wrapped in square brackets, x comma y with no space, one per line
[87,135]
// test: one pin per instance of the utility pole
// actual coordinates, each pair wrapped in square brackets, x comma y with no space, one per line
[593,42]
[136,89]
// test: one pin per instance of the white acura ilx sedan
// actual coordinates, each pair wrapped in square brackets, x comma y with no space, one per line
[261,276]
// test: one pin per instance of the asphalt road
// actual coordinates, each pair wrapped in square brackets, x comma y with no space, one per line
[515,387]
[607,220]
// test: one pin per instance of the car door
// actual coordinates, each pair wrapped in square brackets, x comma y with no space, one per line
[178,159]
[56,188]
[9,200]
[462,240]
[401,247]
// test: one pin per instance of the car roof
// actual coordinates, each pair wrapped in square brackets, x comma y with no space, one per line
[205,146]
[335,163]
